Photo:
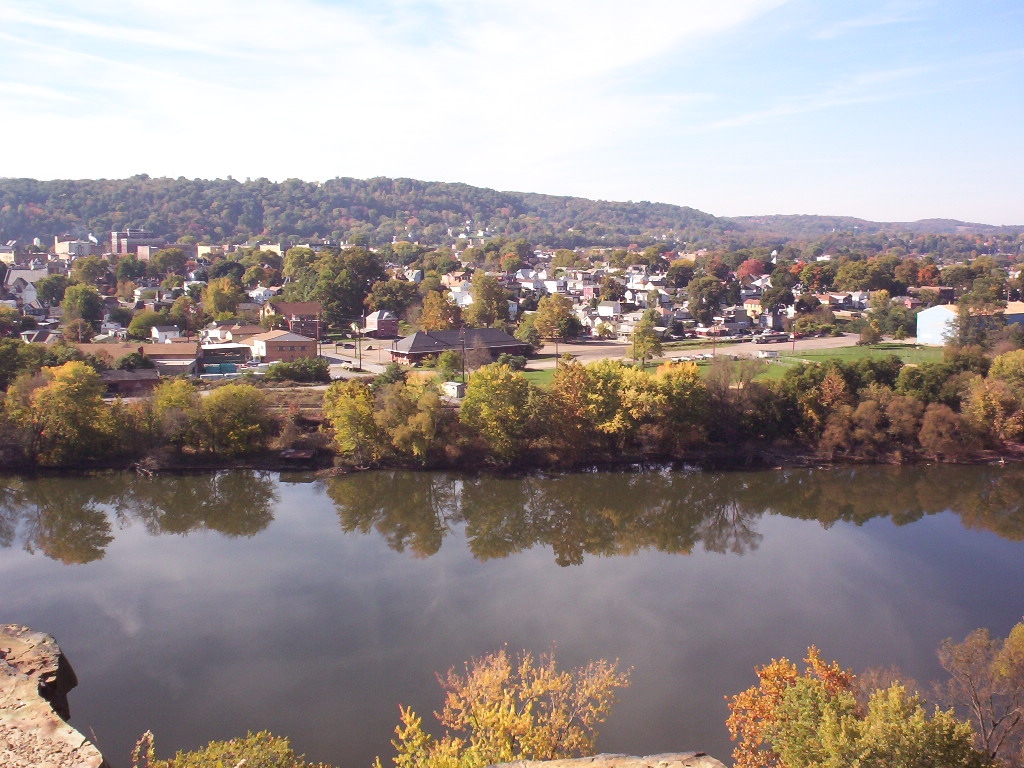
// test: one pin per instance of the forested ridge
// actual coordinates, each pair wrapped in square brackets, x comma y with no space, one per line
[379,209]
[382,210]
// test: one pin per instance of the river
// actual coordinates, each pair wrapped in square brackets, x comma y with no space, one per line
[203,606]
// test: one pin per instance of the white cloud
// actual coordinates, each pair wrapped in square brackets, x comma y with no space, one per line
[398,88]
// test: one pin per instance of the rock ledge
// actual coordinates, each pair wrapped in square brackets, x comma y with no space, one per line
[35,678]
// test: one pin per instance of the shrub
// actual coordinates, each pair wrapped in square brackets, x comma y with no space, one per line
[306,370]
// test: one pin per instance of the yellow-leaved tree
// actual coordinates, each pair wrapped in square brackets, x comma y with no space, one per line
[503,708]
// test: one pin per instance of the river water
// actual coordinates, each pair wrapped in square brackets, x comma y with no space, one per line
[203,606]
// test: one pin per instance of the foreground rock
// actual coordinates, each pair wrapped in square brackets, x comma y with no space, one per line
[671,760]
[34,682]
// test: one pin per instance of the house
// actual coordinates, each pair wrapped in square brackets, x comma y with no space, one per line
[175,358]
[609,309]
[262,294]
[162,334]
[41,336]
[303,317]
[20,282]
[381,325]
[413,349]
[282,347]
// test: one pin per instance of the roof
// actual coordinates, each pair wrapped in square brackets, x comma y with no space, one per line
[380,314]
[140,374]
[116,351]
[280,336]
[432,342]
[301,308]
[172,350]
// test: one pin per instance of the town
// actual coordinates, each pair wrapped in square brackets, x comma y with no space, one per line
[141,310]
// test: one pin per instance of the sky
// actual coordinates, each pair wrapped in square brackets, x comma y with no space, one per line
[890,110]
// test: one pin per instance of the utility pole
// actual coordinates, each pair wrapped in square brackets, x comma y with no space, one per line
[462,338]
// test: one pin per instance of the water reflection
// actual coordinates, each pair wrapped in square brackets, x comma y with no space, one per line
[575,515]
[69,518]
[622,513]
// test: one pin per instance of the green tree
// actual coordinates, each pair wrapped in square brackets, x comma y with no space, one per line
[256,750]
[50,290]
[395,296]
[82,302]
[168,260]
[344,280]
[646,342]
[705,296]
[187,314]
[143,323]
[129,269]
[497,406]
[502,709]
[233,420]
[490,302]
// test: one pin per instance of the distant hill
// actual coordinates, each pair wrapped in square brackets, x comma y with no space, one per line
[801,227]
[386,209]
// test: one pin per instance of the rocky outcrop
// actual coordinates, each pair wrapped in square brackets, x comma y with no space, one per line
[35,678]
[671,760]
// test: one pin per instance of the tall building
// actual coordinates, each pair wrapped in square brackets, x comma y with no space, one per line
[128,241]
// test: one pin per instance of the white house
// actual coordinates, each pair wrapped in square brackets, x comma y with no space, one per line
[162,334]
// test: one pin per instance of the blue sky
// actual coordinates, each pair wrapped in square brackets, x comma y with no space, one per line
[889,110]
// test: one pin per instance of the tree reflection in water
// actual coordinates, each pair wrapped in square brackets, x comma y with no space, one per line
[620,513]
[600,514]
[69,518]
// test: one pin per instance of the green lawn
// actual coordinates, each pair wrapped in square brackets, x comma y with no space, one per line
[541,378]
[908,353]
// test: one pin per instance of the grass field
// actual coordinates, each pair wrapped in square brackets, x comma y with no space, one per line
[776,369]
[908,353]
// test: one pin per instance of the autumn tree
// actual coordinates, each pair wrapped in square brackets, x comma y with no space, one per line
[349,406]
[63,411]
[496,406]
[256,750]
[554,318]
[410,414]
[503,708]
[814,720]
[987,684]
[439,313]
[222,296]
